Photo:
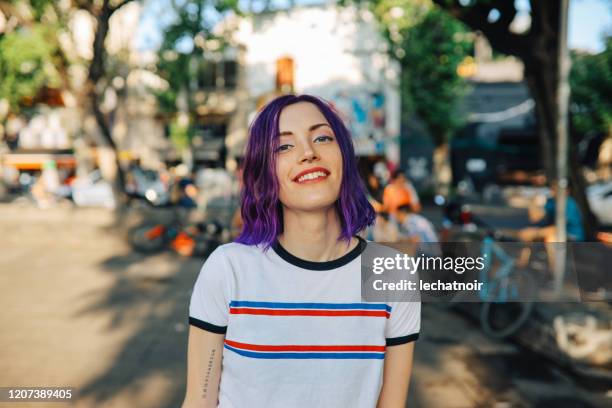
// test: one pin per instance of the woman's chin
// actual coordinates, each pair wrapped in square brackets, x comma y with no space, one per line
[311,204]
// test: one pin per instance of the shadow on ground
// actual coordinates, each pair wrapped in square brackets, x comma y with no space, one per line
[150,294]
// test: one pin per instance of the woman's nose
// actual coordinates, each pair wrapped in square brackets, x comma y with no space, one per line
[309,154]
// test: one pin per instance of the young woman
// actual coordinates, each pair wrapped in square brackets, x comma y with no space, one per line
[276,318]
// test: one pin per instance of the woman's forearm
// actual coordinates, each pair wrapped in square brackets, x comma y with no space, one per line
[396,376]
[203,368]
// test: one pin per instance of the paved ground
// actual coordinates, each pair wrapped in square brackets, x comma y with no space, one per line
[80,309]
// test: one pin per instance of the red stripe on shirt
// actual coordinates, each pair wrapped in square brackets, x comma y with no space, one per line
[259,347]
[297,312]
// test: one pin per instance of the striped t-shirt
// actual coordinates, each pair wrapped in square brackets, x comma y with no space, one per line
[296,332]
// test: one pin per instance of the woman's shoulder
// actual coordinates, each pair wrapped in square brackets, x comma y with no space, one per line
[232,250]
[228,256]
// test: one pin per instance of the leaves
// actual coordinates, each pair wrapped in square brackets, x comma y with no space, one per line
[187,46]
[591,85]
[430,46]
[27,63]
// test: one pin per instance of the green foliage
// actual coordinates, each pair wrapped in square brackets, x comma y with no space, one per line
[39,7]
[174,68]
[28,61]
[429,45]
[591,84]
[180,135]
[191,28]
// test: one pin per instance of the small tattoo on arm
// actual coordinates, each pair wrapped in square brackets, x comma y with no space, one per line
[209,369]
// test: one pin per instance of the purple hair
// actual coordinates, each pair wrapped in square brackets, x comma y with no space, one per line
[261,208]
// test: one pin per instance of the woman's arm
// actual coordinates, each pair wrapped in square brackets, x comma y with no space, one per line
[396,376]
[203,368]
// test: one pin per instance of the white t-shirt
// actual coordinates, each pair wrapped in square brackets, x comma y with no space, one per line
[296,332]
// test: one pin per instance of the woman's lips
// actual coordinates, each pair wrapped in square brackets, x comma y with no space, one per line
[311,175]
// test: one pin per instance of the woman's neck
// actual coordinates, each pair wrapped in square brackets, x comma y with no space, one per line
[313,235]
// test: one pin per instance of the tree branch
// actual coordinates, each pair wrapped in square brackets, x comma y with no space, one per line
[498,33]
[118,6]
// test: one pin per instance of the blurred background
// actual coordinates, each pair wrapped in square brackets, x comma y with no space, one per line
[122,129]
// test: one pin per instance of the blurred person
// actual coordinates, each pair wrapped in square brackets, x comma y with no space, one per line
[131,177]
[417,229]
[184,192]
[542,213]
[604,159]
[41,195]
[385,228]
[381,169]
[276,317]
[189,193]
[400,191]
[375,192]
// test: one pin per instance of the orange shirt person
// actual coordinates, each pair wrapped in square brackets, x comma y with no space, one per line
[398,192]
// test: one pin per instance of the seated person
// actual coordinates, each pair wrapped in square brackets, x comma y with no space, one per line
[545,229]
[417,229]
[544,218]
[400,191]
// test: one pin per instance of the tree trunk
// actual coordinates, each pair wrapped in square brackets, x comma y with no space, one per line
[442,169]
[96,73]
[543,92]
[578,187]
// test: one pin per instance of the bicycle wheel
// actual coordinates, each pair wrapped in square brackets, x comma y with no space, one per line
[500,319]
[148,238]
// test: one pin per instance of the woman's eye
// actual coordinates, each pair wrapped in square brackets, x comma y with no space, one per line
[324,138]
[283,148]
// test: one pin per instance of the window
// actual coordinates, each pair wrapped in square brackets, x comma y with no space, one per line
[230,74]
[218,75]
[207,75]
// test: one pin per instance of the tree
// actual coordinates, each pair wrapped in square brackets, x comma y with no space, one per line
[433,50]
[97,81]
[30,55]
[26,64]
[429,46]
[538,49]
[186,58]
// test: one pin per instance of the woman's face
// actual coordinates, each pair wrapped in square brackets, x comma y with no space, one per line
[308,159]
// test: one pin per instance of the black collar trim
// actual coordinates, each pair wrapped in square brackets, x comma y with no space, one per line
[320,266]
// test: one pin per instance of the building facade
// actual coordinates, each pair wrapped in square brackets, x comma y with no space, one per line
[333,52]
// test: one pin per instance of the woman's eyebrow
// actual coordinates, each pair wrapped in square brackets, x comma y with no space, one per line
[318,125]
[310,129]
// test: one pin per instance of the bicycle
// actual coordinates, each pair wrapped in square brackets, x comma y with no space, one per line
[508,296]
[508,291]
[199,239]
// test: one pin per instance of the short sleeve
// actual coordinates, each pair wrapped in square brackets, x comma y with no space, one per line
[209,305]
[404,324]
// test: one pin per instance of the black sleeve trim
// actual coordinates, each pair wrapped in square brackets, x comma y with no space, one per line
[207,326]
[396,341]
